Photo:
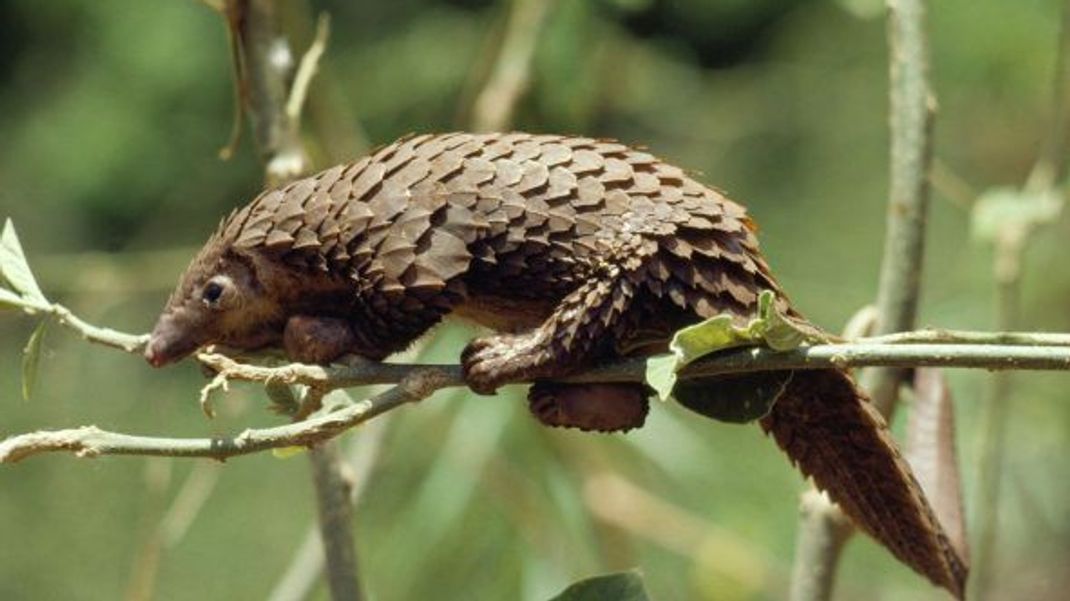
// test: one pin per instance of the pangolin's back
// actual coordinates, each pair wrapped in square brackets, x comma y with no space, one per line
[433,216]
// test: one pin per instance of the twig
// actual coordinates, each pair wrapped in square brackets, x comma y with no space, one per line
[751,359]
[268,64]
[333,489]
[275,108]
[511,74]
[418,381]
[912,106]
[966,337]
[912,109]
[823,530]
[994,416]
[130,343]
[307,69]
[306,567]
[1010,244]
[1050,166]
[90,441]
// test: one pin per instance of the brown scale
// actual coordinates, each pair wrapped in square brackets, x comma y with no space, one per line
[575,250]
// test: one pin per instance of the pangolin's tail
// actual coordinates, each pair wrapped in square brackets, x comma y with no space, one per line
[833,434]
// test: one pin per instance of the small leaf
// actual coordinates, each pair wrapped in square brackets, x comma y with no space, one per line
[13,266]
[287,452]
[769,327]
[930,450]
[735,399]
[622,586]
[780,332]
[661,374]
[1000,209]
[31,356]
[714,334]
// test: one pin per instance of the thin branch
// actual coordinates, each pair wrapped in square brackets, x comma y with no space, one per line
[275,106]
[90,441]
[306,70]
[1050,166]
[912,106]
[967,337]
[823,531]
[511,74]
[1011,242]
[416,382]
[306,567]
[752,359]
[333,490]
[268,66]
[130,343]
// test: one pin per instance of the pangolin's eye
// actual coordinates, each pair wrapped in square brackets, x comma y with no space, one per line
[212,292]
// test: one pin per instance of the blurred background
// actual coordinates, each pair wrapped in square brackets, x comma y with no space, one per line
[112,115]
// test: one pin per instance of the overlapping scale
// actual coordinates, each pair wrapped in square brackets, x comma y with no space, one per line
[495,210]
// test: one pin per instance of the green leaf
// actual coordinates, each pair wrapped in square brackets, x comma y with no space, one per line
[778,331]
[622,586]
[1001,209]
[768,327]
[31,356]
[714,334]
[661,374]
[735,399]
[14,268]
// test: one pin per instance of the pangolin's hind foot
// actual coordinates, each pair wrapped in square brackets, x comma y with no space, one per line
[590,407]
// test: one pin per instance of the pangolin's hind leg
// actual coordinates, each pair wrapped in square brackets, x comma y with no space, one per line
[580,328]
[590,407]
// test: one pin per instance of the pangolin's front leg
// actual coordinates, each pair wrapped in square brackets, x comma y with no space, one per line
[562,344]
[566,342]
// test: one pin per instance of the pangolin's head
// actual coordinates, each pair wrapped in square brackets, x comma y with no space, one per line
[219,300]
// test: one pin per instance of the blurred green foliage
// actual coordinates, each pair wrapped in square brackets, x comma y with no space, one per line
[112,114]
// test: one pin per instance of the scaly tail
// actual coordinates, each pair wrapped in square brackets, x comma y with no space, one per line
[833,434]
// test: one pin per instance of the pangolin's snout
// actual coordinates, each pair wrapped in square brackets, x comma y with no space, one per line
[169,342]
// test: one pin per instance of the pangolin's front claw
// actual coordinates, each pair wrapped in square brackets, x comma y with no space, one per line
[493,361]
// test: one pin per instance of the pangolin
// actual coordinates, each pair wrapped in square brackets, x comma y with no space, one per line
[574,251]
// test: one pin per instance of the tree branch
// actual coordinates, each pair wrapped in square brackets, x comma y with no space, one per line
[823,531]
[415,382]
[333,487]
[306,567]
[267,64]
[912,106]
[275,103]
[511,74]
[90,441]
[1011,242]
[122,341]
